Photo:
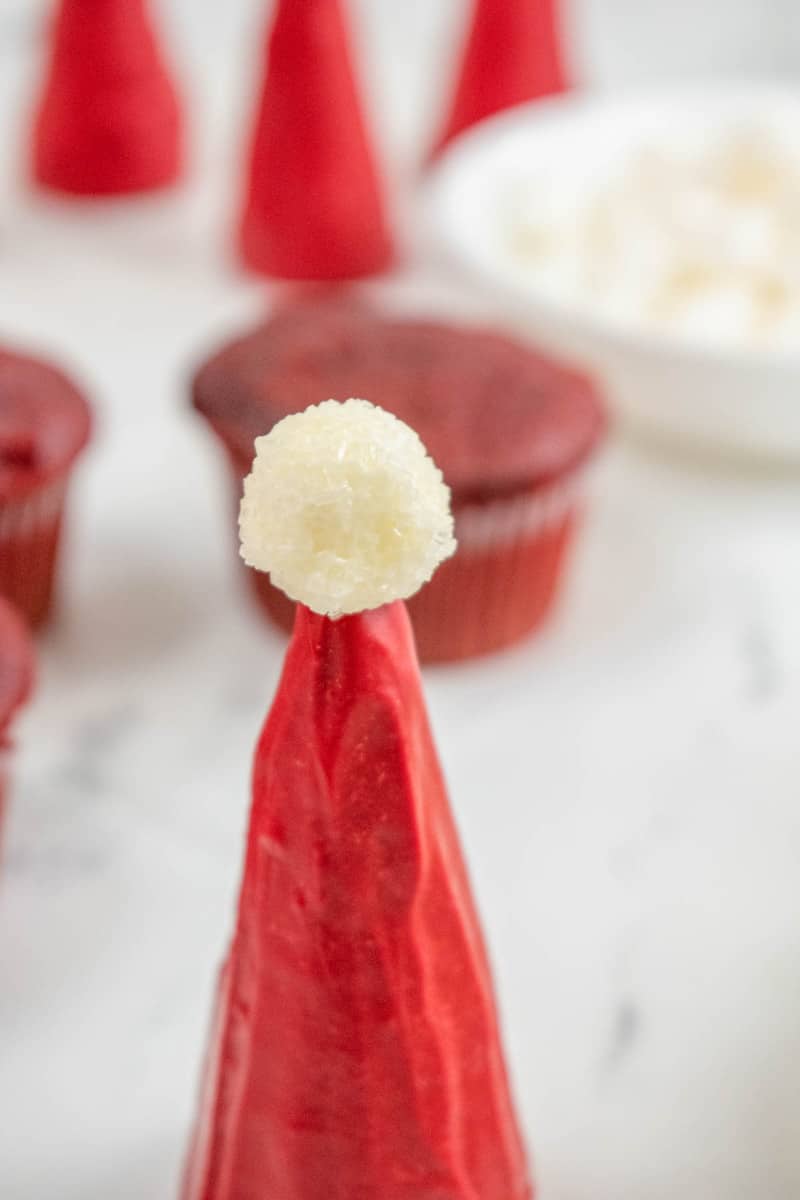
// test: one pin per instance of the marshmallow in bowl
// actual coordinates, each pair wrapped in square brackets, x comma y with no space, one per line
[703,243]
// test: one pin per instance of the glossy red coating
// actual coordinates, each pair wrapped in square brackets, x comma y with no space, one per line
[313,207]
[512,54]
[108,120]
[356,1053]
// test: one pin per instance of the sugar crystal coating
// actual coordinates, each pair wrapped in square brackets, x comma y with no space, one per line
[345,508]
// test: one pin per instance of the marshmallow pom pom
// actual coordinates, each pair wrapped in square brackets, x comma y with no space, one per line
[345,509]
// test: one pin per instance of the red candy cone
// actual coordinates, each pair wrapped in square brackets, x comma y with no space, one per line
[512,55]
[108,121]
[356,1054]
[313,208]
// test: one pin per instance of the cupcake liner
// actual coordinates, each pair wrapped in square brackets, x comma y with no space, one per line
[493,591]
[45,423]
[30,529]
[16,681]
[5,757]
[499,585]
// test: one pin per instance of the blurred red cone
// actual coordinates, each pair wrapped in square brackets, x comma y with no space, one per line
[512,55]
[108,121]
[313,208]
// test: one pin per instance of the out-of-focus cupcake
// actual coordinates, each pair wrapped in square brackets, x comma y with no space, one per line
[16,680]
[44,424]
[511,430]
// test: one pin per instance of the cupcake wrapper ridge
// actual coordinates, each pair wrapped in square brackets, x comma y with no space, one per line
[30,530]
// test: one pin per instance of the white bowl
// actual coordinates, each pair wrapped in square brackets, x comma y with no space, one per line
[735,398]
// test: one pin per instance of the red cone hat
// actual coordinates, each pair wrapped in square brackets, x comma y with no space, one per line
[512,55]
[108,120]
[313,206]
[356,1053]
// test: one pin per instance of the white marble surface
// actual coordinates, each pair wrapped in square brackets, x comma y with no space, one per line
[626,785]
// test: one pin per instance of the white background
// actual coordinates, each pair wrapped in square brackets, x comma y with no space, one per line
[627,785]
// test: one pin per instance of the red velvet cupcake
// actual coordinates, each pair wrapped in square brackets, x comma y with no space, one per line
[16,680]
[44,424]
[511,430]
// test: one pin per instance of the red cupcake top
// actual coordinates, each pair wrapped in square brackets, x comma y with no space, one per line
[494,414]
[44,424]
[16,664]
